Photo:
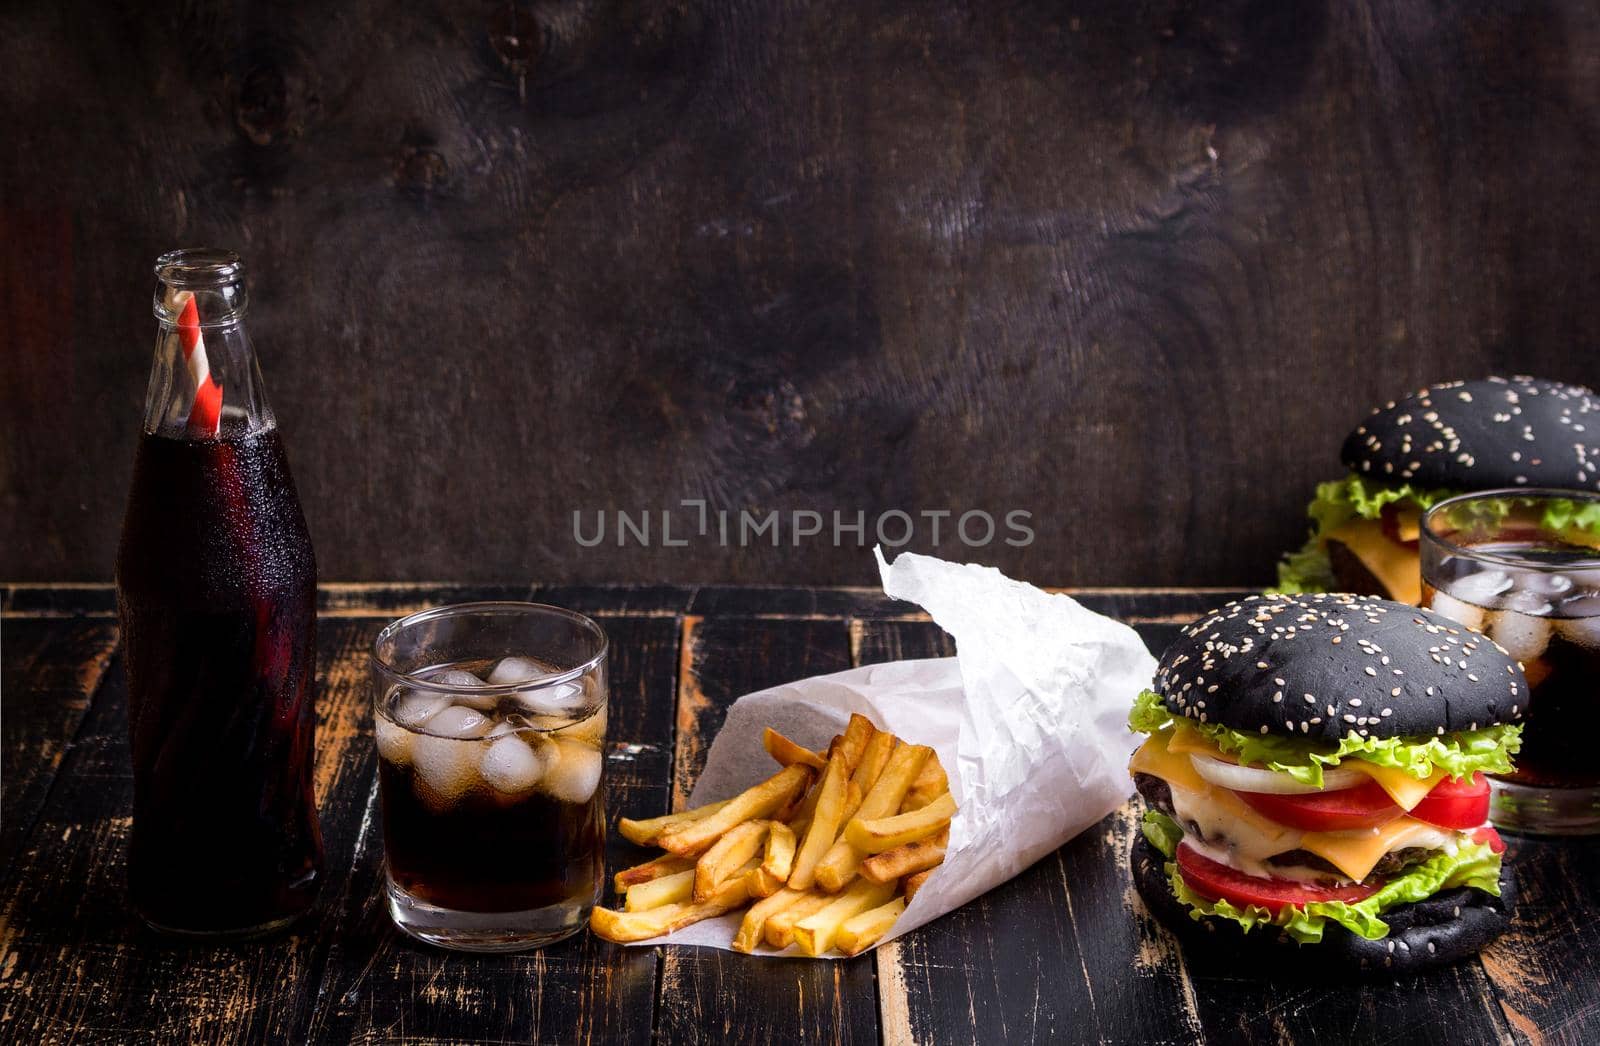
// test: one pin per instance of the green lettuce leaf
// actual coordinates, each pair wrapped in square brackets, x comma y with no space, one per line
[1337,502]
[1340,500]
[1163,832]
[1460,754]
[1473,864]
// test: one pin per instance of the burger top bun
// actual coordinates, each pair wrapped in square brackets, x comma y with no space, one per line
[1326,665]
[1478,435]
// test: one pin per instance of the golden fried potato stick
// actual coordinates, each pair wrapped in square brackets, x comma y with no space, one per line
[778,857]
[853,741]
[825,822]
[646,832]
[914,883]
[843,859]
[669,889]
[886,833]
[816,932]
[755,919]
[779,931]
[788,752]
[641,926]
[761,801]
[873,758]
[667,864]
[718,863]
[908,859]
[930,784]
[860,932]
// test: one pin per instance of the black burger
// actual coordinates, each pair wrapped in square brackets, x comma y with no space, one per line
[1447,439]
[1315,786]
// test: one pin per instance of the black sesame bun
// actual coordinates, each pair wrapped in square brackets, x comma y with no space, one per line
[1477,435]
[1442,929]
[1326,665]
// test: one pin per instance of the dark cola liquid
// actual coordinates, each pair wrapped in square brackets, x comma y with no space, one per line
[1559,647]
[216,585]
[490,853]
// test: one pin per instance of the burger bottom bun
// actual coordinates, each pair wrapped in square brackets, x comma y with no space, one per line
[1443,929]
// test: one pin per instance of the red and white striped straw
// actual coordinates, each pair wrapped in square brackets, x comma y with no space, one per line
[205,416]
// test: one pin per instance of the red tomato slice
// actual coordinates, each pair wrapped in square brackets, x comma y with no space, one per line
[1456,804]
[1491,838]
[1364,806]
[1217,881]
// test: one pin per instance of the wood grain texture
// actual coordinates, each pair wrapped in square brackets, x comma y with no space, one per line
[48,673]
[716,995]
[1063,953]
[1551,994]
[381,986]
[1133,267]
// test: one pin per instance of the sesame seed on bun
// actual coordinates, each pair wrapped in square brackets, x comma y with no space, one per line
[1324,666]
[1476,435]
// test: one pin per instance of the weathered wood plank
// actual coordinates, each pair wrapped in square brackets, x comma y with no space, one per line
[716,995]
[1546,969]
[51,670]
[637,600]
[76,600]
[379,600]
[119,982]
[379,985]
[1054,955]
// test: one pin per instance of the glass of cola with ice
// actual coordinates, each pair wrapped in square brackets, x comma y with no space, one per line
[490,721]
[1523,567]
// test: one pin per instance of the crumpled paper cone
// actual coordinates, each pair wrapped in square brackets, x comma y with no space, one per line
[1029,719]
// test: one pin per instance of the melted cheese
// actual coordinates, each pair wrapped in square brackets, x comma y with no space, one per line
[1354,853]
[1252,837]
[1405,790]
[1393,564]
[1156,757]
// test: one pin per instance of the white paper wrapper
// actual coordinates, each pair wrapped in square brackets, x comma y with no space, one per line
[1029,720]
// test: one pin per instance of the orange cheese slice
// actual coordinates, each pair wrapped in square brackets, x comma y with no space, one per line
[1395,565]
[1405,790]
[1156,757]
[1185,738]
[1354,853]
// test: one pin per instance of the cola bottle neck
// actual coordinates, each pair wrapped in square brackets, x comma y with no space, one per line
[205,382]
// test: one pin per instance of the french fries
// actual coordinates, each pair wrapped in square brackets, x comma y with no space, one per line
[646,832]
[669,889]
[930,784]
[825,822]
[862,931]
[886,833]
[778,858]
[718,863]
[779,931]
[641,926]
[763,800]
[853,741]
[816,932]
[908,859]
[827,852]
[840,864]
[755,919]
[912,883]
[787,753]
[668,864]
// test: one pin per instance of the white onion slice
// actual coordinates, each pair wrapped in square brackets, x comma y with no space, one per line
[1251,779]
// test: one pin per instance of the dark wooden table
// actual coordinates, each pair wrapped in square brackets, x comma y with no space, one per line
[1063,953]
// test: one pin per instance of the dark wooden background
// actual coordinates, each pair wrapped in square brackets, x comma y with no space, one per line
[1134,267]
